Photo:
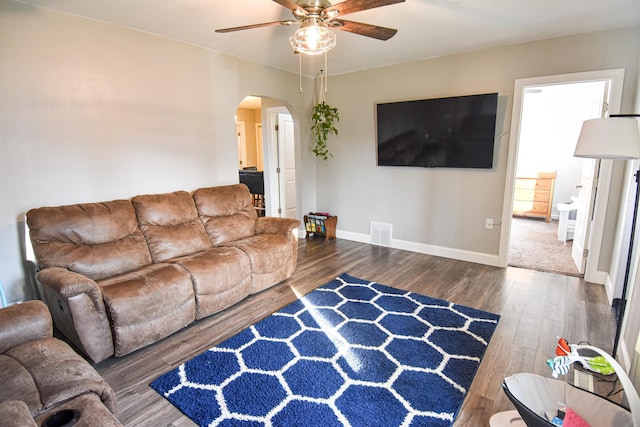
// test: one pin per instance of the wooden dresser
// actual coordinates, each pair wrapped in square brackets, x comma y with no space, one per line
[534,195]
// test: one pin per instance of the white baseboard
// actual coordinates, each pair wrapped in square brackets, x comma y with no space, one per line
[608,287]
[624,357]
[458,254]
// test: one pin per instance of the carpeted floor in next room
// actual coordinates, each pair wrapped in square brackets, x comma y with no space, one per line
[534,245]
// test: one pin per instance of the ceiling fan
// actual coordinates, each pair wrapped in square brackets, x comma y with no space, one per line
[318,17]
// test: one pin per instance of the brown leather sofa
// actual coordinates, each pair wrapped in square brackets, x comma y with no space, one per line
[41,375]
[120,275]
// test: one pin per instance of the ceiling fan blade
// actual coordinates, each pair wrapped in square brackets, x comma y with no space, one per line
[368,30]
[297,10]
[248,27]
[351,6]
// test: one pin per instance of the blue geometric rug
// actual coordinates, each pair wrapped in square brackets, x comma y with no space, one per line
[350,353]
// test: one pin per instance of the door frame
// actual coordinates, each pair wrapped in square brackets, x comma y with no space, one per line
[259,146]
[592,274]
[241,135]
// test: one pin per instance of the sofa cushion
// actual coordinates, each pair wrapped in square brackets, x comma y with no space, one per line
[221,277]
[50,373]
[97,240]
[267,252]
[227,212]
[272,258]
[170,224]
[148,304]
[15,413]
[17,383]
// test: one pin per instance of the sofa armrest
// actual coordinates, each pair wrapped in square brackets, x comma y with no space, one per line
[274,225]
[68,284]
[24,322]
[78,311]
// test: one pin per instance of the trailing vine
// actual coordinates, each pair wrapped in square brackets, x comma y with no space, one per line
[324,120]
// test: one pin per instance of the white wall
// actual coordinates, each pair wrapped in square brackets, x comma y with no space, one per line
[443,211]
[630,345]
[90,112]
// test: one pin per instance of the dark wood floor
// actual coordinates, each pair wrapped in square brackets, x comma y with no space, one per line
[535,307]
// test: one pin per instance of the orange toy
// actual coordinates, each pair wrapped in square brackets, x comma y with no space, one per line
[563,348]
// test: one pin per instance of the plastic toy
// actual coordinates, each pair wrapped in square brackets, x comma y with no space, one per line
[538,399]
[566,354]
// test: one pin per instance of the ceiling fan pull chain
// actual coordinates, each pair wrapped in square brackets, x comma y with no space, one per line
[300,71]
[321,91]
[326,76]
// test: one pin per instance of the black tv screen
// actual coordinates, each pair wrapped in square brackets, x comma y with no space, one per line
[454,132]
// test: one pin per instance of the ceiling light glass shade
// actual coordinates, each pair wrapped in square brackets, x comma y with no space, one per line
[313,38]
[609,138]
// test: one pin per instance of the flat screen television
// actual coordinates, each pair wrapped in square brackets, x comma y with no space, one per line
[454,132]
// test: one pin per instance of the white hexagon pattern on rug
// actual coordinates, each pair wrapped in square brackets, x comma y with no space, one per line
[350,353]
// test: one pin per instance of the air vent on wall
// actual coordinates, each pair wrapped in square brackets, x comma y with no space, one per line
[380,233]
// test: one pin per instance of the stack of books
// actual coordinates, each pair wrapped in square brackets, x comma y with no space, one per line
[315,222]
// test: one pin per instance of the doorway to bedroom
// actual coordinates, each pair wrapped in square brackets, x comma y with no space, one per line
[552,197]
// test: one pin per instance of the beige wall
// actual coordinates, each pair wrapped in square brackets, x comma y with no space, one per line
[444,210]
[248,116]
[91,111]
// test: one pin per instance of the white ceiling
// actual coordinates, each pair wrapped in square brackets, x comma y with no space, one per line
[426,28]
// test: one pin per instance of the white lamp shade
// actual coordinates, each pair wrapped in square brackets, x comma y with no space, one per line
[609,138]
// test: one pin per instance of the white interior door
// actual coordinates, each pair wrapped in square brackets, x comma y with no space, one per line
[588,189]
[279,162]
[287,162]
[584,213]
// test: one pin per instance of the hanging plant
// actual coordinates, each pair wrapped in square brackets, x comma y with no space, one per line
[324,121]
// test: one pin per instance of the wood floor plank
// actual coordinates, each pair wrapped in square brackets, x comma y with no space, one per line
[535,307]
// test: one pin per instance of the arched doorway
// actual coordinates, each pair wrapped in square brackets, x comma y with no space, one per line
[267,152]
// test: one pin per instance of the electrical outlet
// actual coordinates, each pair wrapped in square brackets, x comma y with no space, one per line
[488,223]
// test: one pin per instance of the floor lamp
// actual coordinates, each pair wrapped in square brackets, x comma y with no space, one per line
[616,137]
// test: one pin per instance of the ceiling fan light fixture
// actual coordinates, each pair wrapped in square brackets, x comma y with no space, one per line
[313,37]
